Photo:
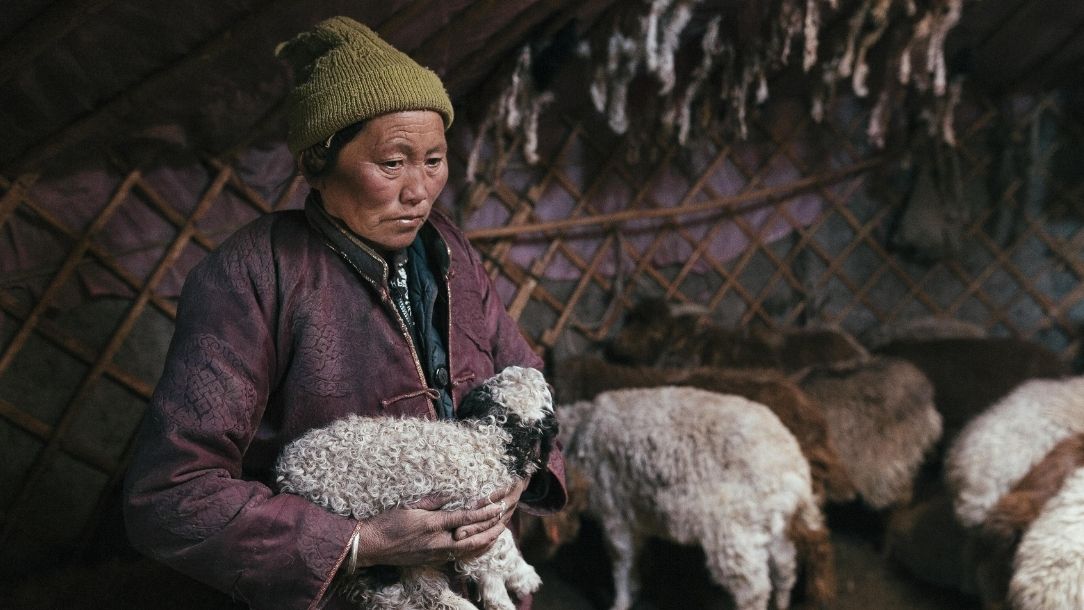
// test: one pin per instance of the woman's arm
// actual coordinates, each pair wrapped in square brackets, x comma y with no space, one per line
[186,502]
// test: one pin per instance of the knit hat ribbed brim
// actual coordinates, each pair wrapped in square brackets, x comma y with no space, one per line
[345,73]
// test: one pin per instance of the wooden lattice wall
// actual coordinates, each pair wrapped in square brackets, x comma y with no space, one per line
[841,266]
[567,259]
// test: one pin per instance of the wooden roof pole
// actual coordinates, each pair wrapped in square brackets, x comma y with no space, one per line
[768,193]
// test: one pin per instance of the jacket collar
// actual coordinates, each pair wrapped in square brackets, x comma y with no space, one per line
[361,256]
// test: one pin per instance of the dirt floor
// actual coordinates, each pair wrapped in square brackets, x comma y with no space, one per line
[577,578]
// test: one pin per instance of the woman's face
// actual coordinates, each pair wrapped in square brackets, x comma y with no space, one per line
[387,178]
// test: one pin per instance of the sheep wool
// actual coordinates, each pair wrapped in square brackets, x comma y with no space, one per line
[882,419]
[362,466]
[696,467]
[1049,562]
[997,448]
[584,377]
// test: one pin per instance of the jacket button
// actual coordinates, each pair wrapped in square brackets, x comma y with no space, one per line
[440,377]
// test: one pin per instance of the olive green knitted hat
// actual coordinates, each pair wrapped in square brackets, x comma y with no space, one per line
[345,73]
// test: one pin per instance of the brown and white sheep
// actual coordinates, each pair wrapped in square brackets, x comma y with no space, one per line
[928,540]
[584,377]
[882,420]
[699,468]
[1049,562]
[998,448]
[999,535]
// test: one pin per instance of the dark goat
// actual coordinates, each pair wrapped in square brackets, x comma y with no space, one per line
[971,374]
[656,334]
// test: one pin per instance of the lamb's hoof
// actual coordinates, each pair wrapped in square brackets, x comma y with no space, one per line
[498,604]
[525,583]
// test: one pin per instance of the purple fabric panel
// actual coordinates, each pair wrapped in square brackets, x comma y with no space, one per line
[137,234]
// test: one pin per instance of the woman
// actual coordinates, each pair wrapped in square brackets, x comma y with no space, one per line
[367,302]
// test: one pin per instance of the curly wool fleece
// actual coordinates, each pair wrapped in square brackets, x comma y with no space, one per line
[385,463]
[362,466]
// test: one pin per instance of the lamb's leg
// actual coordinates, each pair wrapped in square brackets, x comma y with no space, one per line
[520,577]
[624,547]
[500,569]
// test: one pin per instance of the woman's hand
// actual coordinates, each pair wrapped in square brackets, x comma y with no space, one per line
[506,501]
[423,534]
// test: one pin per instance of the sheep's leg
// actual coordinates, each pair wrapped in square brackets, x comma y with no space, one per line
[521,579]
[740,566]
[494,595]
[624,546]
[783,570]
[500,569]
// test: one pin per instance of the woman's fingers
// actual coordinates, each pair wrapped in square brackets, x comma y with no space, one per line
[460,518]
[431,502]
[467,531]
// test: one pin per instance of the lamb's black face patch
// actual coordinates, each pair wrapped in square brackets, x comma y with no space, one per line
[479,403]
[530,443]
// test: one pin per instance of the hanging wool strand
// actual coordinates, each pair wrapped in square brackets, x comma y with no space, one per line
[888,51]
[513,116]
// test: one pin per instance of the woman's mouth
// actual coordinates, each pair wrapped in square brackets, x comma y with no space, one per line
[408,222]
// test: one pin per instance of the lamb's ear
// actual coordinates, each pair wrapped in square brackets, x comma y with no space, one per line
[549,429]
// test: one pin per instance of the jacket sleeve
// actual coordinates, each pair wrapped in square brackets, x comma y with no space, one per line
[546,493]
[186,503]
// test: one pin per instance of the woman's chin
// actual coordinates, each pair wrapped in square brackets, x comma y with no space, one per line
[396,241]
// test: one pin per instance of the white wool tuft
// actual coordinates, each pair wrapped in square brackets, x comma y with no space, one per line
[523,391]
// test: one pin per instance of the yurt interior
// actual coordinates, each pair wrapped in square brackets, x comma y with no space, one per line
[862,211]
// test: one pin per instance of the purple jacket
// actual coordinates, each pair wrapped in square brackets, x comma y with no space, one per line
[278,331]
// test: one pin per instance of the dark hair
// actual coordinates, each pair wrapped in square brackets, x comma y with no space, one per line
[319,159]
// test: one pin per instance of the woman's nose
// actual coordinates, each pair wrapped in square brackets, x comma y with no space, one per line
[414,189]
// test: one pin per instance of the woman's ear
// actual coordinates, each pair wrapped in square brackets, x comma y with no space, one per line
[314,182]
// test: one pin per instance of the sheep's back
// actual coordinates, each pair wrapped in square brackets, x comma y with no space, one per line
[361,466]
[680,436]
[997,448]
[971,374]
[882,420]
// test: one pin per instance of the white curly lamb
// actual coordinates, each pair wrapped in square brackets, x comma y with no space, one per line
[997,448]
[1049,563]
[700,468]
[361,466]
